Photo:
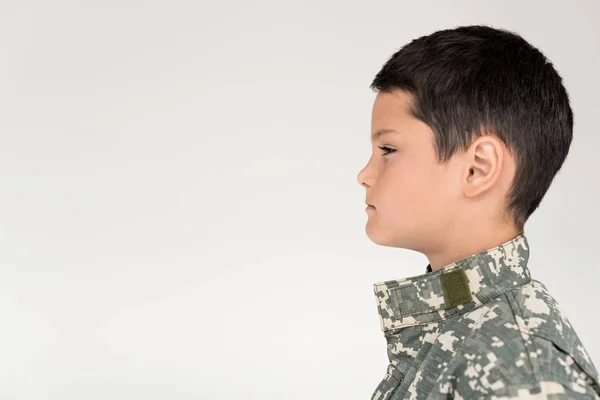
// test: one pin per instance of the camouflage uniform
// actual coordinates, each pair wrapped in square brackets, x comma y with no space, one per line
[480,328]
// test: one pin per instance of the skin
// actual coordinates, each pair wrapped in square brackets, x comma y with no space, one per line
[445,211]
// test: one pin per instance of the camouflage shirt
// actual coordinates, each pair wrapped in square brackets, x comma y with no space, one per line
[480,328]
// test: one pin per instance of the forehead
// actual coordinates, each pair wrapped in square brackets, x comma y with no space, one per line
[391,111]
[390,108]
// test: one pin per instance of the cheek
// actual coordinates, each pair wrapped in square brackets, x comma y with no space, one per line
[405,186]
[419,188]
[440,196]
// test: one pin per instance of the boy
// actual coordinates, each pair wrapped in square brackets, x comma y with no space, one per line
[469,127]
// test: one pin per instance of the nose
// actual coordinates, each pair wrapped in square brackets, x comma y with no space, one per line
[363,176]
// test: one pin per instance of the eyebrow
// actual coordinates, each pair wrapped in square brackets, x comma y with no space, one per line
[381,132]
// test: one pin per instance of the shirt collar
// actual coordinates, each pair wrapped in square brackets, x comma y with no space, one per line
[436,295]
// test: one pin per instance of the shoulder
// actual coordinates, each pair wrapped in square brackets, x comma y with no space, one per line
[516,342]
[541,321]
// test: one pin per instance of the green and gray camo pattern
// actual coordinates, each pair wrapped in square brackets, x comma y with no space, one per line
[511,341]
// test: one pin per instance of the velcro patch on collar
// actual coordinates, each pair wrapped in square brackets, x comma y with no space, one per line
[456,287]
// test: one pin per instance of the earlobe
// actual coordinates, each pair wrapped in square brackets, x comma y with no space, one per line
[484,165]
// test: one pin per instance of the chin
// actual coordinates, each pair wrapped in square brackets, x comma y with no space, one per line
[397,238]
[379,237]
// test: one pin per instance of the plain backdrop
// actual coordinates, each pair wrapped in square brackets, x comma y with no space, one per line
[180,216]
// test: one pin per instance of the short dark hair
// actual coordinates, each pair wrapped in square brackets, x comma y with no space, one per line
[474,79]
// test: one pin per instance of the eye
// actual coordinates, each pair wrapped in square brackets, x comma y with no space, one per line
[386,149]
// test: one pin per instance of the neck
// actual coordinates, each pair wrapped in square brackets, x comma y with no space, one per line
[468,242]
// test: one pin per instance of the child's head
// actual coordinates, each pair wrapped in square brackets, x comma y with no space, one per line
[484,125]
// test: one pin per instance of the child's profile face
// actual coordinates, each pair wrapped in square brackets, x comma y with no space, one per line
[414,196]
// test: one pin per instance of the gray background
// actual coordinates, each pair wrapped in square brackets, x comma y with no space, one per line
[179,211]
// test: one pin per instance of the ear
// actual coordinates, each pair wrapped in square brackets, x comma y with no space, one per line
[485,158]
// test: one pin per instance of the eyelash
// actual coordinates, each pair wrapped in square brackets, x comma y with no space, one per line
[387,150]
